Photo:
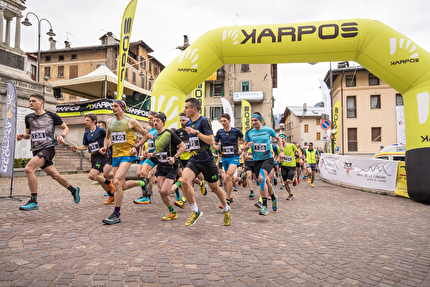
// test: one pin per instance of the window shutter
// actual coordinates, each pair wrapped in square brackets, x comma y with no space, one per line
[222,90]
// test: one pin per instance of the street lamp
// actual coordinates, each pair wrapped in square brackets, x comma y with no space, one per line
[49,33]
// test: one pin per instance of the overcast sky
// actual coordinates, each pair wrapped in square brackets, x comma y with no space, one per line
[161,24]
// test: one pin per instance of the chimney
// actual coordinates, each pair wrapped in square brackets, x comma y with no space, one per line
[67,44]
[305,108]
[52,45]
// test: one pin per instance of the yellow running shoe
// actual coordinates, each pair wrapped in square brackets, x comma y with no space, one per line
[193,218]
[170,216]
[227,217]
[110,200]
[181,202]
[203,188]
[312,185]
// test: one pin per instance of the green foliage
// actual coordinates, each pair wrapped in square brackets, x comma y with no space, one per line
[20,162]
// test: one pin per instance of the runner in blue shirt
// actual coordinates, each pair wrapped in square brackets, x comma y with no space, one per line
[258,139]
[201,138]
[228,137]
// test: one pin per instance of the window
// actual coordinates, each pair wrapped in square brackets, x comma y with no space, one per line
[33,72]
[352,139]
[373,80]
[149,85]
[73,72]
[351,107]
[318,136]
[318,121]
[142,82]
[156,70]
[150,67]
[245,86]
[350,81]
[216,112]
[306,128]
[217,90]
[60,73]
[133,78]
[142,61]
[47,58]
[47,73]
[61,58]
[399,100]
[376,134]
[375,102]
[126,73]
[74,57]
[244,68]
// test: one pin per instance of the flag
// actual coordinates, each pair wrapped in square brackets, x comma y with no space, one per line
[9,131]
[335,124]
[124,43]
[228,110]
[199,93]
[326,98]
[246,116]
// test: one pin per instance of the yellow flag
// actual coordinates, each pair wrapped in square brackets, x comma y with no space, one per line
[199,93]
[124,43]
[246,116]
[335,125]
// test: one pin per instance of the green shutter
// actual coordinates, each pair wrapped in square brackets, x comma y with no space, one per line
[222,89]
[212,90]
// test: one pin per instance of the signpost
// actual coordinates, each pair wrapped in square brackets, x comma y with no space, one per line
[325,124]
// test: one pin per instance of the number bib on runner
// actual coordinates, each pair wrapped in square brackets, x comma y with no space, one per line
[151,145]
[93,147]
[260,147]
[288,159]
[39,135]
[228,149]
[162,156]
[194,143]
[119,137]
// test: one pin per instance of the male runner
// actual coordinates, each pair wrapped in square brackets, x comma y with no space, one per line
[121,131]
[288,165]
[258,139]
[201,138]
[93,141]
[228,139]
[40,128]
[311,156]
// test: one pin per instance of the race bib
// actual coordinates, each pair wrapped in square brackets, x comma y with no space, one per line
[288,159]
[162,156]
[228,149]
[39,135]
[151,145]
[119,137]
[194,143]
[260,147]
[93,147]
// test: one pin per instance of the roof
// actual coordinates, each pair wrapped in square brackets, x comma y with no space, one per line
[298,111]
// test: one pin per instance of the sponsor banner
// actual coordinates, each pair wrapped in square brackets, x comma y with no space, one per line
[335,123]
[400,117]
[246,116]
[228,110]
[199,93]
[401,186]
[249,96]
[124,43]
[326,98]
[359,171]
[9,131]
[212,77]
[103,106]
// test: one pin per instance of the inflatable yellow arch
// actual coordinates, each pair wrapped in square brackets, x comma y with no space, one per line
[386,53]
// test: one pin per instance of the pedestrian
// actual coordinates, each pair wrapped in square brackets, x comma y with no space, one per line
[40,128]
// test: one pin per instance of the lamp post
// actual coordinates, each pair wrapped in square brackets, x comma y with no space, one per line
[49,33]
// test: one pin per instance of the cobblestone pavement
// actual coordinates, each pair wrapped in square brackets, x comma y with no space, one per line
[326,236]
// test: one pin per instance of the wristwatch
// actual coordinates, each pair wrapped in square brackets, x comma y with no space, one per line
[175,157]
[197,132]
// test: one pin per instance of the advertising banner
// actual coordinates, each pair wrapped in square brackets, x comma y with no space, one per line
[124,44]
[246,116]
[401,185]
[9,131]
[335,123]
[228,110]
[326,98]
[359,171]
[199,93]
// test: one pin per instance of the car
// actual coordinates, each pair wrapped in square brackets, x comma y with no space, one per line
[394,152]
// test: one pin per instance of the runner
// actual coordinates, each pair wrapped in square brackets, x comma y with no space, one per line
[258,139]
[288,165]
[299,161]
[108,165]
[93,140]
[249,171]
[40,128]
[121,131]
[168,148]
[201,138]
[311,156]
[227,138]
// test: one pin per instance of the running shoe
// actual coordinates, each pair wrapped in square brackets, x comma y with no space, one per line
[283,186]
[298,180]
[294,182]
[228,202]
[227,217]
[110,200]
[251,194]
[275,202]
[112,219]
[203,188]
[107,194]
[290,197]
[178,194]
[193,218]
[170,216]
[275,181]
[263,210]
[235,188]
[30,205]
[312,185]
[244,183]
[180,203]
[111,187]
[143,200]
[76,197]
[258,205]
[309,180]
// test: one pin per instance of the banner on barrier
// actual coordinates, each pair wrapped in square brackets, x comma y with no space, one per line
[359,171]
[401,186]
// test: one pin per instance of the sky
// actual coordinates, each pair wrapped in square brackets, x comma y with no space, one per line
[161,24]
